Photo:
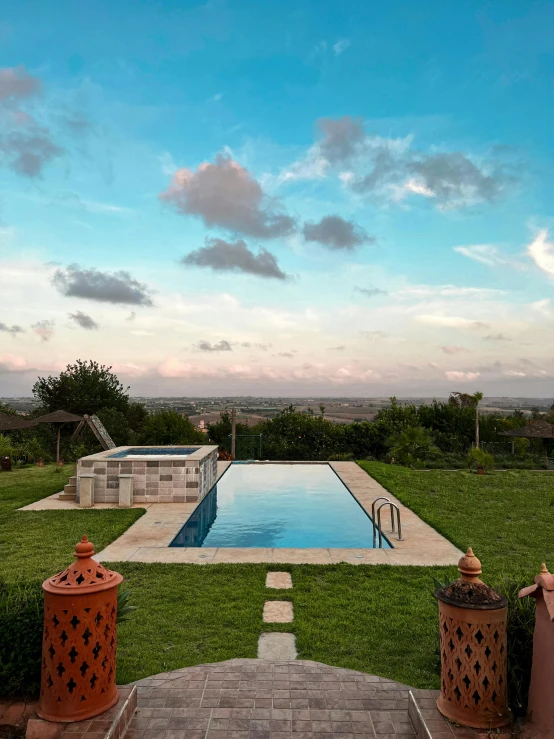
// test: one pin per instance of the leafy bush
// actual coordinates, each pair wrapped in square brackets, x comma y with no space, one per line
[124,609]
[116,425]
[6,446]
[169,427]
[412,444]
[21,622]
[521,624]
[480,460]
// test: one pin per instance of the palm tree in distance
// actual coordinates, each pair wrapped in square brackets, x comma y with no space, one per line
[477,398]
[465,400]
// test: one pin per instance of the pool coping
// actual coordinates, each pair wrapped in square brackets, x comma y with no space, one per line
[148,539]
[106,455]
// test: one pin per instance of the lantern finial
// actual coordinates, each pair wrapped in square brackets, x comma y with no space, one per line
[469,567]
[84,548]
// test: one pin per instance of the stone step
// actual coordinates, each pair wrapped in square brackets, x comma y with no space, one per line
[72,480]
[277,645]
[71,489]
[67,496]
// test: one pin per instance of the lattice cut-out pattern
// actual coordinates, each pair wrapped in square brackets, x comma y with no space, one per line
[78,657]
[474,660]
[82,574]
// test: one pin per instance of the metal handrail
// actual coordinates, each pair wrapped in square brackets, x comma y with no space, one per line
[393,507]
[374,520]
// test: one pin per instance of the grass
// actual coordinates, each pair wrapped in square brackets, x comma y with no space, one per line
[507,517]
[377,619]
[36,544]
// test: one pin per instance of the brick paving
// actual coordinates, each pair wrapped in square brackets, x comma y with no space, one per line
[256,699]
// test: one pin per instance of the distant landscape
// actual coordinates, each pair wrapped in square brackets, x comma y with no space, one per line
[251,409]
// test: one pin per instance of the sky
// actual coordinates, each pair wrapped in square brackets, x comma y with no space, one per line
[293,198]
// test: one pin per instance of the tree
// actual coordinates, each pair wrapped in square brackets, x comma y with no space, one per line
[477,398]
[465,400]
[169,427]
[83,387]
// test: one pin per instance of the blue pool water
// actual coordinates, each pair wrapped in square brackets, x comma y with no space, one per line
[278,505]
[181,451]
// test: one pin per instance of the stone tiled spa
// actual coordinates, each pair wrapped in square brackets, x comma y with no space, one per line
[147,478]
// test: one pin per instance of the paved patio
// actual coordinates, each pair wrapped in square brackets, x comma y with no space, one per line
[256,699]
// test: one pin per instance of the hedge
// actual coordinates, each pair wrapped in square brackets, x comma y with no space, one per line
[21,622]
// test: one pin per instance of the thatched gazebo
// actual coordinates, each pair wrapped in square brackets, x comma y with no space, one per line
[59,417]
[15,423]
[534,430]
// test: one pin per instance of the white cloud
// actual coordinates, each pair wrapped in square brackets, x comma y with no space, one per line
[541,252]
[453,349]
[421,291]
[543,307]
[13,363]
[489,255]
[341,46]
[459,376]
[450,321]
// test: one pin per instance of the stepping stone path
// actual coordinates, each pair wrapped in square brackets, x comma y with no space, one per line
[278,580]
[276,645]
[278,612]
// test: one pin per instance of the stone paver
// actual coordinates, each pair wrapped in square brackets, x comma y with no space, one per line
[277,646]
[253,699]
[278,580]
[278,612]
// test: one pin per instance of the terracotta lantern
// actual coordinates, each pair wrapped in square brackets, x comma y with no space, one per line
[540,707]
[472,620]
[79,640]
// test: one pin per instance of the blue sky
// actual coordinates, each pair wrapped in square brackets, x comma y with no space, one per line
[293,198]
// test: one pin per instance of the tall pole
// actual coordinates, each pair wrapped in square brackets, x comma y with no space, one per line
[233,432]
[477,424]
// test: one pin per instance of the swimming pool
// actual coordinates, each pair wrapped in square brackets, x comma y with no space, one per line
[154,451]
[278,506]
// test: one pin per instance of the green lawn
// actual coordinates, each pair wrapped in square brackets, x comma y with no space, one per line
[507,517]
[35,544]
[378,619]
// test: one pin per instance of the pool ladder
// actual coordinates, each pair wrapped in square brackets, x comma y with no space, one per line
[377,527]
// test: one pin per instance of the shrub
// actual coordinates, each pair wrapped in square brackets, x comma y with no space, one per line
[480,460]
[169,427]
[521,624]
[411,445]
[21,621]
[6,447]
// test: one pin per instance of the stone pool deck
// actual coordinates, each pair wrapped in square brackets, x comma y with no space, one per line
[148,539]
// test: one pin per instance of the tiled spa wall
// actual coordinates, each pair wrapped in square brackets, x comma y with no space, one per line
[154,481]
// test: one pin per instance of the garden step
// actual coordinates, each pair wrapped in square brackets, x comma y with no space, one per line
[67,496]
[72,480]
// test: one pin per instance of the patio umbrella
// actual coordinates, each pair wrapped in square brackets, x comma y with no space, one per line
[14,423]
[534,430]
[59,417]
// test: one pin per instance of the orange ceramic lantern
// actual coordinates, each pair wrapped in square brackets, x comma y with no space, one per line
[473,647]
[79,642]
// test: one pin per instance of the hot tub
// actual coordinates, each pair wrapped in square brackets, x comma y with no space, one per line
[163,474]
